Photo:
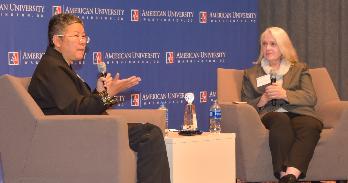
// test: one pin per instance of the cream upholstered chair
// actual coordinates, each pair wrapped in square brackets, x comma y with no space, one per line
[330,160]
[36,148]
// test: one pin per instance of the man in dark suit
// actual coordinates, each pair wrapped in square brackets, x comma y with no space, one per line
[58,90]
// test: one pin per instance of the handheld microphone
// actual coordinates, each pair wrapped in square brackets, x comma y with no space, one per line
[102,68]
[273,80]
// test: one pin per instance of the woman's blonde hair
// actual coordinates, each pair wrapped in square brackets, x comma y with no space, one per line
[284,43]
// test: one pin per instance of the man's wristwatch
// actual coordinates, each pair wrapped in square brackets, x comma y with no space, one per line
[106,99]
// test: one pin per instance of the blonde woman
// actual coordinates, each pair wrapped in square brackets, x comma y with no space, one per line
[286,105]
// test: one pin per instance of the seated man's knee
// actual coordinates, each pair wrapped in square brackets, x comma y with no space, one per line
[154,130]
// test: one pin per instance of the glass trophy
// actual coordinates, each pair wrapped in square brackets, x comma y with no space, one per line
[189,126]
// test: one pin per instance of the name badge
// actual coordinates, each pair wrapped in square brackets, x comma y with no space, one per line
[263,80]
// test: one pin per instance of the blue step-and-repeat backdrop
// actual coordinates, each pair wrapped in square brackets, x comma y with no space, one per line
[174,46]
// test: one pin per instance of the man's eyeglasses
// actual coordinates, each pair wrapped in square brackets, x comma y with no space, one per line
[81,38]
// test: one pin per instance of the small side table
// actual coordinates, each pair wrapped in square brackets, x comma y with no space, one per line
[202,158]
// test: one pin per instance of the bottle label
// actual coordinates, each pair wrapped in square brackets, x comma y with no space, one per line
[215,114]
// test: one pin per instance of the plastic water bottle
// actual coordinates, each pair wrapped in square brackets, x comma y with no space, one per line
[163,107]
[215,118]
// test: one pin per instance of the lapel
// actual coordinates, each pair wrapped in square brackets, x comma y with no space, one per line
[84,87]
[287,77]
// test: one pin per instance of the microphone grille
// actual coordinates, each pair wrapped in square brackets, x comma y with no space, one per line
[101,67]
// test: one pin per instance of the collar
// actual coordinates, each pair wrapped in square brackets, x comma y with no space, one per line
[53,52]
[283,68]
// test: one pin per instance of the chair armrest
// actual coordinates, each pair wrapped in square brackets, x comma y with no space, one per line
[244,120]
[78,148]
[153,116]
[241,118]
[252,152]
[333,112]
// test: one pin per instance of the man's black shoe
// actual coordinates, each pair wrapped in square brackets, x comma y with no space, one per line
[290,178]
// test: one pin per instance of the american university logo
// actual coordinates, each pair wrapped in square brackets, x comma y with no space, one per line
[169,57]
[203,96]
[57,10]
[22,10]
[97,57]
[203,17]
[135,99]
[134,15]
[13,58]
